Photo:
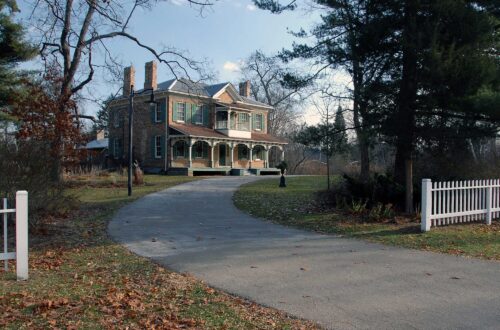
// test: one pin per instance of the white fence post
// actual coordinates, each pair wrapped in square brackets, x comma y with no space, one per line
[425,224]
[488,202]
[5,235]
[22,235]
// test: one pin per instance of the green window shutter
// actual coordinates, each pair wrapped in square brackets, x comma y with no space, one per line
[163,146]
[153,147]
[111,146]
[152,111]
[176,151]
[262,123]
[187,115]
[205,115]
[174,114]
[255,117]
[205,150]
[163,108]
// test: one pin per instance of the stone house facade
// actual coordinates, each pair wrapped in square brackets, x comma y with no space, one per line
[192,127]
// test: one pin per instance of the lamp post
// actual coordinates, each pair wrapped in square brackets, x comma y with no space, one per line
[130,128]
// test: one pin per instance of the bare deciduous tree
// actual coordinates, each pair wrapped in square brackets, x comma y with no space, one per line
[267,74]
[72,32]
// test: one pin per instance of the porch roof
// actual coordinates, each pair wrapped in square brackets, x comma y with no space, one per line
[238,106]
[205,132]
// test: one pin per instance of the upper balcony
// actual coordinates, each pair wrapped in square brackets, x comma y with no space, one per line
[232,123]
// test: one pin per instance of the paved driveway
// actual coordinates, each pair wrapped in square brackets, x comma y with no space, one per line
[340,283]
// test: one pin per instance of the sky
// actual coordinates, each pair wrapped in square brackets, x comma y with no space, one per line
[225,34]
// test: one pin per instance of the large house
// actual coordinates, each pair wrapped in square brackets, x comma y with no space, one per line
[193,128]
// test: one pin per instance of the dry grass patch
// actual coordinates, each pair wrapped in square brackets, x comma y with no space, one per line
[299,205]
[81,279]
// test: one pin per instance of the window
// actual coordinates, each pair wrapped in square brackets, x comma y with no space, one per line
[180,149]
[181,111]
[242,152]
[200,150]
[258,122]
[258,153]
[243,122]
[158,143]
[116,119]
[157,112]
[197,114]
[117,147]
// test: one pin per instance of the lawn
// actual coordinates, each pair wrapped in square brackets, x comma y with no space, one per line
[80,279]
[299,206]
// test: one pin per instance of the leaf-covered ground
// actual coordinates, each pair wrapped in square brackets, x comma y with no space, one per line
[80,279]
[298,205]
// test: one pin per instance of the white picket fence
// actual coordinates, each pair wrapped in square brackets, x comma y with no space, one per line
[452,202]
[21,254]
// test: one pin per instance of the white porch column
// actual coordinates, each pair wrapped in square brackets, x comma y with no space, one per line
[282,154]
[171,156]
[229,119]
[212,162]
[190,155]
[266,159]
[231,151]
[250,156]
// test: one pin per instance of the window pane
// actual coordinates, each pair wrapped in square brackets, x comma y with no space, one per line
[181,111]
[197,114]
[158,146]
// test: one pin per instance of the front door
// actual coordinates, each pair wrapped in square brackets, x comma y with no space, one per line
[222,155]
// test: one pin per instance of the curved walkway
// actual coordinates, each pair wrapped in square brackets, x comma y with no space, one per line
[340,283]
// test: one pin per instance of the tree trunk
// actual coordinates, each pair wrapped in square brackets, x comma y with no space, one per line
[361,132]
[409,185]
[407,105]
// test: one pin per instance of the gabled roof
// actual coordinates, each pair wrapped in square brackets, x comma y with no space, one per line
[194,88]
[214,89]
[97,144]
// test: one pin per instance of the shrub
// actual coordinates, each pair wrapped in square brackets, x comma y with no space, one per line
[380,191]
[29,166]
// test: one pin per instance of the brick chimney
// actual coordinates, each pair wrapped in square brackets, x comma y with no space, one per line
[150,80]
[245,88]
[128,80]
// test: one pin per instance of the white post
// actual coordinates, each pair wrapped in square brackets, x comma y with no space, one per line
[231,150]
[488,203]
[425,224]
[266,165]
[22,235]
[190,155]
[5,235]
[282,154]
[212,161]
[250,154]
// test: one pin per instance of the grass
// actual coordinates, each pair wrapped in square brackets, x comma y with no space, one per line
[298,205]
[80,279]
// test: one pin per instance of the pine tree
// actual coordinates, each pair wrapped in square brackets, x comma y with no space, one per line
[13,49]
[340,141]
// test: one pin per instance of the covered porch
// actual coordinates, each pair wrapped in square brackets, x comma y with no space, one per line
[194,155]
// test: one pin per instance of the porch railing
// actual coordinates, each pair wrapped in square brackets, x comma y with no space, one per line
[221,124]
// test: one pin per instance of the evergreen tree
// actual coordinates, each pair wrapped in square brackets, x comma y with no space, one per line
[13,49]
[340,142]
